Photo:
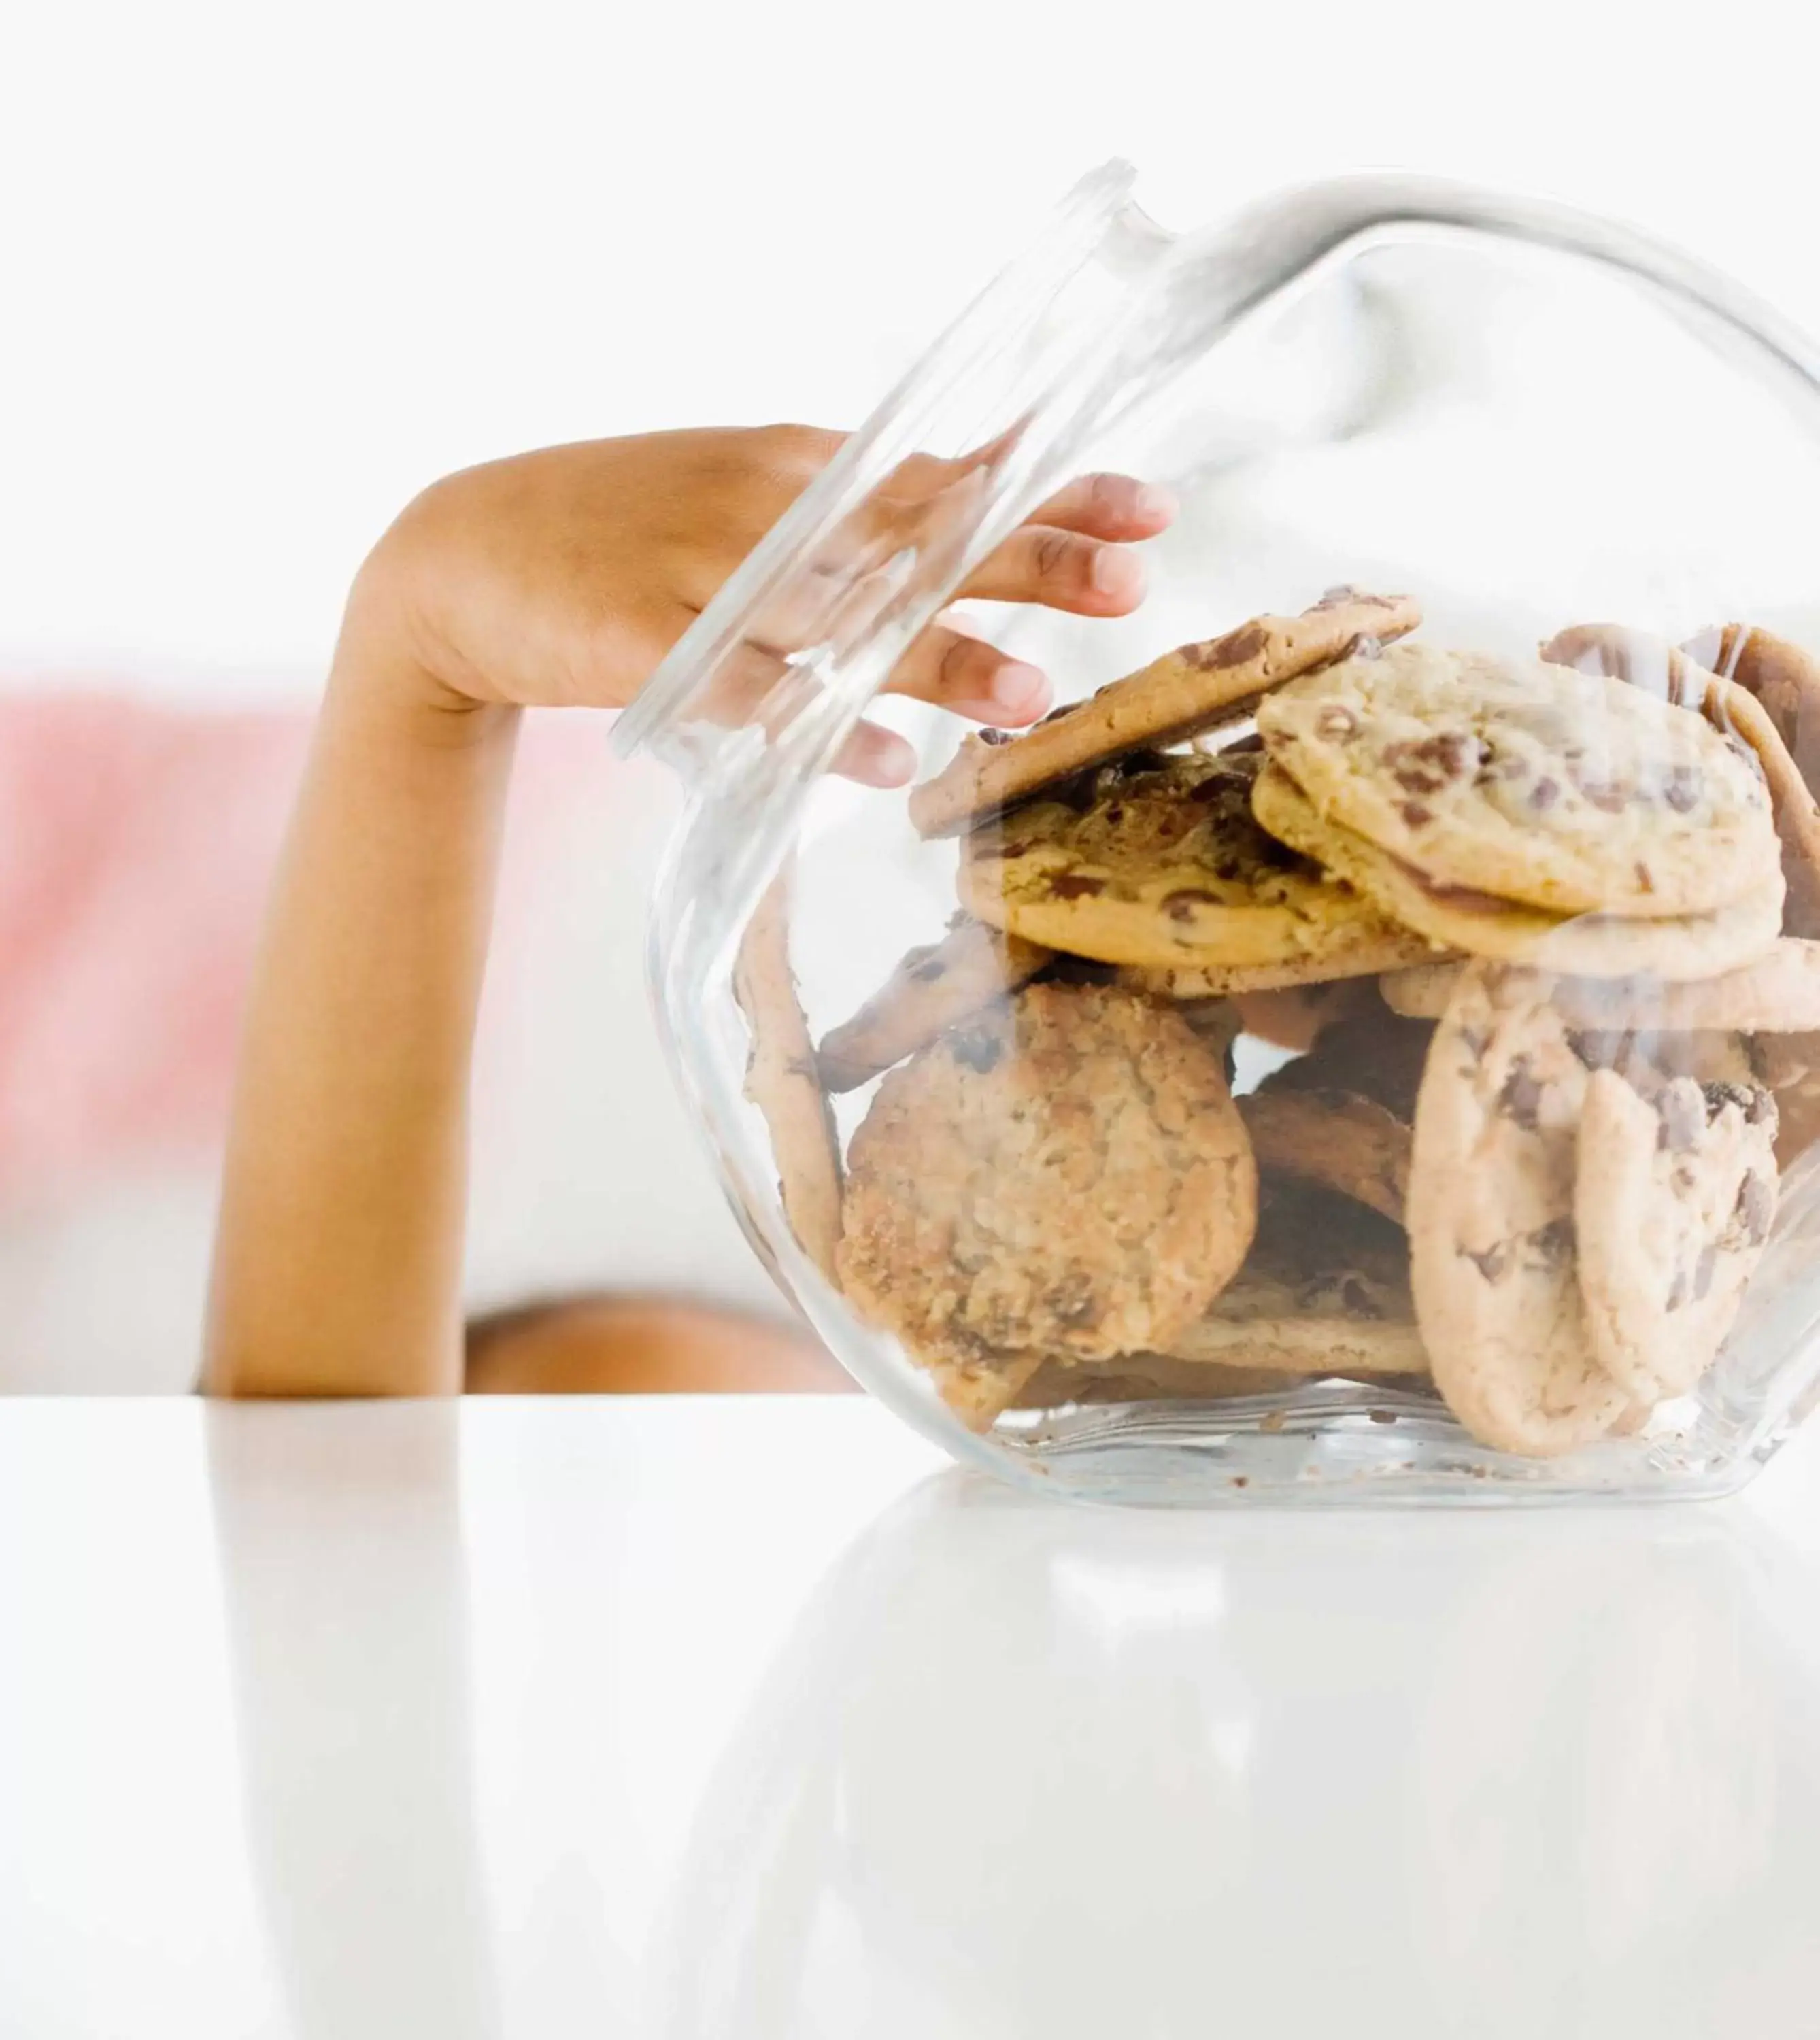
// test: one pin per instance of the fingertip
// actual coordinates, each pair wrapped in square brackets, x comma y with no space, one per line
[1155,507]
[1119,580]
[1020,693]
[876,757]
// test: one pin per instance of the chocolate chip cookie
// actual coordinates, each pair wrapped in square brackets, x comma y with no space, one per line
[1154,860]
[932,988]
[1782,676]
[1526,782]
[1325,1292]
[1736,712]
[1675,1197]
[1066,1176]
[1777,993]
[1492,1223]
[1454,917]
[1334,1138]
[1172,698]
[783,1082]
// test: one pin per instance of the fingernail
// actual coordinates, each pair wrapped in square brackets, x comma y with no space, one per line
[1156,505]
[1117,572]
[1019,689]
[890,761]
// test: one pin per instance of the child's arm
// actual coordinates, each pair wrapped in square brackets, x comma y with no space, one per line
[561,577]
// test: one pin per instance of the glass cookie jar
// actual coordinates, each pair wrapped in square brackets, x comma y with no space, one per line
[1364,1045]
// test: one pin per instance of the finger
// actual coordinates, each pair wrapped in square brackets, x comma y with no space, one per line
[875,757]
[970,677]
[1109,506]
[1061,570]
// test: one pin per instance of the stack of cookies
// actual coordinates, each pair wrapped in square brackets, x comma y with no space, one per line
[1529,924]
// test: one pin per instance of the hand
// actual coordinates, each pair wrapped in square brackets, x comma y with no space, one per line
[562,578]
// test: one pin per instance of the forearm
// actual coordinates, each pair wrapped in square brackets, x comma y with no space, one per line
[338,1258]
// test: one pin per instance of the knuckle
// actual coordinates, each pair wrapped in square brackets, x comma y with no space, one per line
[1055,556]
[799,448]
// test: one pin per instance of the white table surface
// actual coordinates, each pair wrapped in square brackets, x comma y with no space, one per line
[577,1718]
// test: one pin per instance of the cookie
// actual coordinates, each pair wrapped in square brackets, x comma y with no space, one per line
[1155,1377]
[1296,1015]
[932,988]
[1675,1198]
[1530,782]
[1066,1175]
[1634,657]
[1183,691]
[1145,1377]
[1333,1138]
[1325,1292]
[1491,1213]
[1394,949]
[1156,860]
[782,1080]
[1779,993]
[980,1388]
[1483,925]
[1781,675]
[1374,1054]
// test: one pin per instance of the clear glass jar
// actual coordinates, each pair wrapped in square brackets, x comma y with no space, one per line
[1515,1201]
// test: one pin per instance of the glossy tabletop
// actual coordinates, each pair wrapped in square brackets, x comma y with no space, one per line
[747,1719]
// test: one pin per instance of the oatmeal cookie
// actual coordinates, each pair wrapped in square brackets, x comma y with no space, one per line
[1067,1175]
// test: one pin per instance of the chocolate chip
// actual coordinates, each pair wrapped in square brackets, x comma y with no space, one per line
[1521,1099]
[930,968]
[1056,714]
[1233,649]
[1494,1264]
[979,1051]
[1132,762]
[1544,794]
[1065,885]
[1553,1243]
[1355,1292]
[1756,1204]
[1719,1096]
[1415,815]
[1682,789]
[996,736]
[1335,724]
[1018,849]
[1180,906]
[1609,798]
[1115,814]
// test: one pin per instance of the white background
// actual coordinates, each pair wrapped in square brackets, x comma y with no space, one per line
[267,269]
[264,270]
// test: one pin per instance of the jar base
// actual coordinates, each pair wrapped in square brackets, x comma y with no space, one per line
[1332,1443]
